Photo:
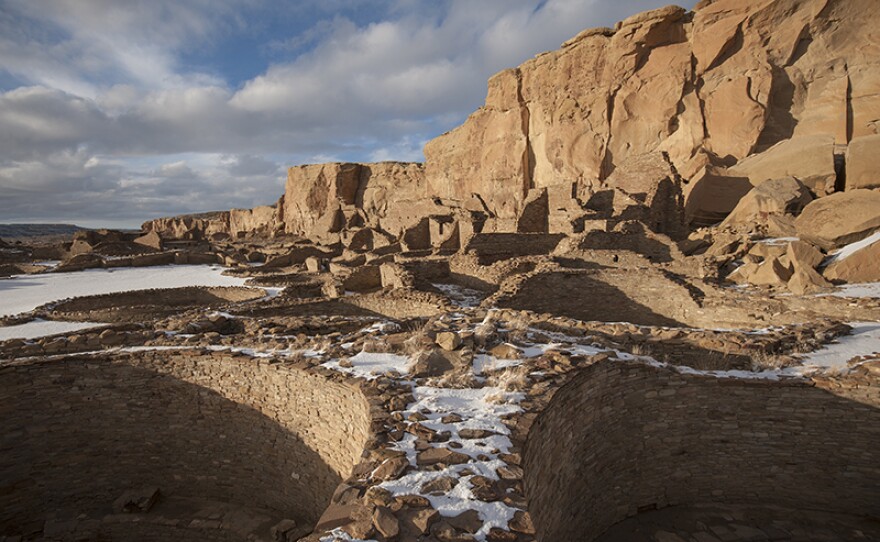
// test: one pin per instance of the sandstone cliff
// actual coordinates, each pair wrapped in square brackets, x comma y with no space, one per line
[670,118]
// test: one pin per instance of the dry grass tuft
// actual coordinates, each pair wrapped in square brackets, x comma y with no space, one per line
[510,379]
[375,345]
[641,350]
[766,361]
[459,379]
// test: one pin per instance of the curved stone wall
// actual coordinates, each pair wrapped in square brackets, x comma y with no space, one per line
[639,296]
[265,437]
[622,438]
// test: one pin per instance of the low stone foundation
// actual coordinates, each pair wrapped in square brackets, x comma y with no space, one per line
[256,442]
[624,438]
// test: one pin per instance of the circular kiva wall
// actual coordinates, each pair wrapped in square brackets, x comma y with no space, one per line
[622,438]
[231,441]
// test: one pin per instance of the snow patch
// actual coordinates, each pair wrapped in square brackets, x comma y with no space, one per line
[852,248]
[864,340]
[857,290]
[371,365]
[460,296]
[43,328]
[23,293]
[479,408]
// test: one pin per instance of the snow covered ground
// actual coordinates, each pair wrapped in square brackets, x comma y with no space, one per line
[852,248]
[24,293]
[864,289]
[368,365]
[42,328]
[864,340]
[480,409]
[461,296]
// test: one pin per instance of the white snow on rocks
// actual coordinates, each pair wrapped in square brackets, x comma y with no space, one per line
[461,296]
[852,248]
[370,365]
[856,290]
[863,341]
[481,409]
[43,328]
[24,293]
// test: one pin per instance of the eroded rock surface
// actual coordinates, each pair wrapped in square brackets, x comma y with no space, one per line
[730,95]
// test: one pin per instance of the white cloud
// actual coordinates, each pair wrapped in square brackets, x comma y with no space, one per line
[113,124]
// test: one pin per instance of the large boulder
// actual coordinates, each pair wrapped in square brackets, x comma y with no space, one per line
[774,197]
[150,240]
[863,163]
[858,263]
[807,281]
[712,195]
[840,219]
[809,159]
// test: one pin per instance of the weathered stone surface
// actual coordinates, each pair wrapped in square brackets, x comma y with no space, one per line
[391,469]
[734,94]
[805,280]
[137,500]
[774,197]
[385,522]
[150,239]
[860,266]
[803,255]
[445,456]
[440,485]
[712,195]
[808,159]
[283,531]
[840,218]
[430,363]
[770,272]
[448,340]
[468,521]
[863,163]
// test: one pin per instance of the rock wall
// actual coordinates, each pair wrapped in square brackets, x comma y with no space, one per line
[78,433]
[709,88]
[650,438]
[264,220]
[730,95]
[327,198]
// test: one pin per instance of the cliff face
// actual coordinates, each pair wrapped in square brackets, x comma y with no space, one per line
[723,98]
[262,221]
[709,88]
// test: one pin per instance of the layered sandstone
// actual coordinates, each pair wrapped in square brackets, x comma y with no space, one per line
[727,97]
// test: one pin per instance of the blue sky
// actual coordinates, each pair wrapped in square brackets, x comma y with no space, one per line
[113,112]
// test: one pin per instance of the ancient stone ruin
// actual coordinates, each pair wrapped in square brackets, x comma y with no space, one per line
[635,296]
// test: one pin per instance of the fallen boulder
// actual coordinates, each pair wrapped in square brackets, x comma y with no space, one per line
[861,265]
[840,219]
[775,197]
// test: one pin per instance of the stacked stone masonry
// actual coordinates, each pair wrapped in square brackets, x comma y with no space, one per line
[78,433]
[648,438]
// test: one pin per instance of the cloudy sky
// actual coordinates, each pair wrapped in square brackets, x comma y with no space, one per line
[116,111]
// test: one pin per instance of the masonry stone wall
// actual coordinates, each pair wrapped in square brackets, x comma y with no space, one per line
[76,434]
[621,438]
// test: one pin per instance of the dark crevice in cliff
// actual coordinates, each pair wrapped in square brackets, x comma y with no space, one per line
[805,39]
[730,48]
[849,107]
[528,152]
[607,166]
[780,123]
